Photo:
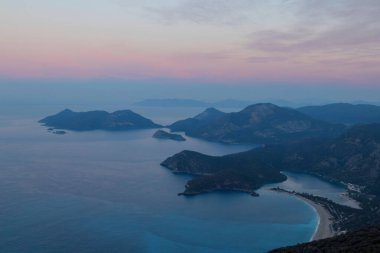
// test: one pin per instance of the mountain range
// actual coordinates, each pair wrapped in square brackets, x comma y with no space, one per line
[258,123]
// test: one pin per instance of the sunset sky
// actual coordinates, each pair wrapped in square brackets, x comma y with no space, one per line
[215,41]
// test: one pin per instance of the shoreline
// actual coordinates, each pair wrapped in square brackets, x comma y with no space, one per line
[324,228]
[325,219]
[241,190]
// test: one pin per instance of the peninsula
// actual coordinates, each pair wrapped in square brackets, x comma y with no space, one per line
[352,158]
[235,172]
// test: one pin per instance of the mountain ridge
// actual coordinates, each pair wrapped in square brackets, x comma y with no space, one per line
[258,123]
[344,113]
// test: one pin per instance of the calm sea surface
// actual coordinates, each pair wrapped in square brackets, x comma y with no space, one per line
[106,192]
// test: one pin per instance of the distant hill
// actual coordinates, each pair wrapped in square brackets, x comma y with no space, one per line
[365,240]
[230,103]
[176,102]
[172,102]
[259,123]
[192,125]
[344,113]
[98,120]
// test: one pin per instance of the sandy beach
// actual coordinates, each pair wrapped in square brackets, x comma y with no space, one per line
[324,229]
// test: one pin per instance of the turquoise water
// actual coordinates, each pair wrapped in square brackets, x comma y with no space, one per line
[106,192]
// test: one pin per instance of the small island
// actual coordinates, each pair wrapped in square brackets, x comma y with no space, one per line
[59,132]
[55,131]
[161,134]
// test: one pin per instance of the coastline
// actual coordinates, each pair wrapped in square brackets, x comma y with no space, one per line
[242,190]
[324,229]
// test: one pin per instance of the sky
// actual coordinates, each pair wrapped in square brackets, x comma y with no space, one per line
[323,45]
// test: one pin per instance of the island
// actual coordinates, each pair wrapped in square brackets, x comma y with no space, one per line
[161,134]
[98,120]
[258,124]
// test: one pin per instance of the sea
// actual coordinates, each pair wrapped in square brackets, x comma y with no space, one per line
[103,191]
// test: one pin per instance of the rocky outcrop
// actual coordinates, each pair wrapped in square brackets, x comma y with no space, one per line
[161,134]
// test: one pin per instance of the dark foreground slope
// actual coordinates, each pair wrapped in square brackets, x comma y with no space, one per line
[259,123]
[98,120]
[362,241]
[344,113]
